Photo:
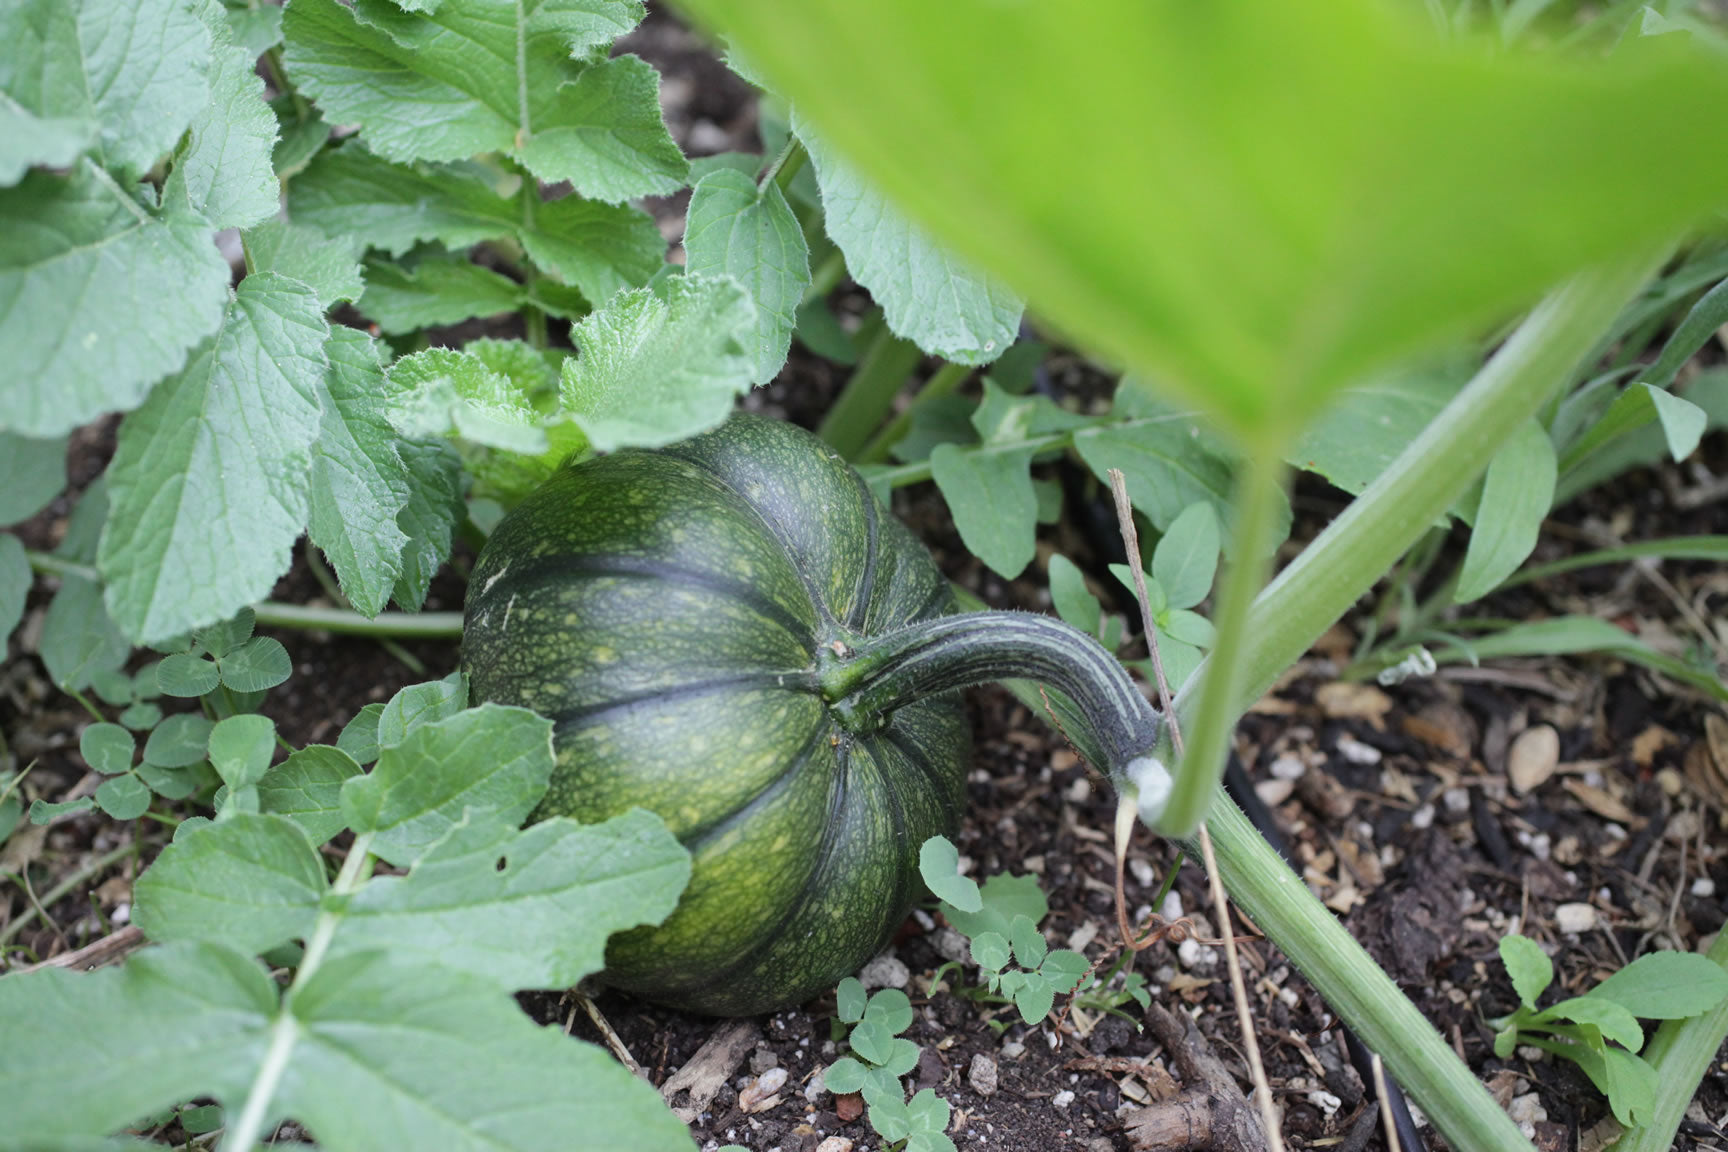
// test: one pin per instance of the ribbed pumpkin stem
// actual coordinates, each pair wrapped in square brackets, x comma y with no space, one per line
[868,681]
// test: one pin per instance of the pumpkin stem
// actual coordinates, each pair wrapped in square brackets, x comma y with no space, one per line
[864,681]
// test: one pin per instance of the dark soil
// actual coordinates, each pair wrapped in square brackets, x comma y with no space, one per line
[1397,804]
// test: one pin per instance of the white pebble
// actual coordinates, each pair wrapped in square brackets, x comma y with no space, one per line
[1325,1101]
[1573,918]
[1062,1099]
[1423,818]
[1143,874]
[1193,954]
[1357,752]
[1013,1050]
[886,971]
[1457,800]
[981,1075]
[1288,767]
[1703,886]
[1171,909]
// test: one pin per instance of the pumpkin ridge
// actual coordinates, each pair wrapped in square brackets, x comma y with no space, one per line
[890,790]
[824,612]
[699,838]
[824,854]
[866,586]
[911,750]
[576,718]
[588,564]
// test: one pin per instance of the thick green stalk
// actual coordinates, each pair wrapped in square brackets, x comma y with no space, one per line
[1681,1053]
[941,383]
[912,663]
[1361,546]
[1357,989]
[869,394]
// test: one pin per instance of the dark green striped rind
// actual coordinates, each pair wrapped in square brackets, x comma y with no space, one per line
[666,609]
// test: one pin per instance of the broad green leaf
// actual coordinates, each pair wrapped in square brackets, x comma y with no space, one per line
[929,1112]
[206,498]
[1165,464]
[241,748]
[359,737]
[180,741]
[872,1040]
[15,577]
[224,169]
[931,296]
[1570,635]
[434,507]
[359,484]
[1064,969]
[989,492]
[1186,558]
[1034,998]
[1256,205]
[1517,493]
[177,1022]
[102,298]
[255,27]
[1666,986]
[123,797]
[1005,897]
[1189,628]
[939,864]
[107,748]
[660,365]
[1681,421]
[185,675]
[27,140]
[445,1060]
[1367,425]
[1029,944]
[1608,1018]
[258,664]
[32,472]
[435,289]
[442,392]
[419,704]
[1529,967]
[138,70]
[597,248]
[491,76]
[1180,660]
[301,252]
[248,882]
[307,788]
[487,757]
[890,1116]
[1628,1081]
[734,228]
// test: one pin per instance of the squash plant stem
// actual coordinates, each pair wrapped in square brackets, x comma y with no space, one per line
[869,394]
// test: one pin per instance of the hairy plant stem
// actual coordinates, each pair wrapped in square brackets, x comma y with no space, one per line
[1681,1052]
[869,394]
[786,165]
[951,652]
[248,1128]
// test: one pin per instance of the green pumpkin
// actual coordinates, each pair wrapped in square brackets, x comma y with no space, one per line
[677,613]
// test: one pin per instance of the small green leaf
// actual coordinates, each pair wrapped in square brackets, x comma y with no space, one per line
[183,674]
[419,704]
[902,1058]
[1064,969]
[1005,897]
[1683,422]
[1529,967]
[307,788]
[169,783]
[850,1000]
[660,365]
[1189,628]
[258,664]
[1029,944]
[79,641]
[735,228]
[107,748]
[991,951]
[889,1115]
[1073,601]
[989,491]
[223,169]
[198,1121]
[1186,558]
[434,508]
[359,737]
[179,741]
[939,863]
[929,1112]
[1165,463]
[1666,986]
[891,1008]
[1610,1019]
[1156,602]
[15,578]
[843,1076]
[1566,635]
[490,756]
[123,797]
[32,472]
[224,636]
[873,1041]
[141,717]
[249,882]
[1034,999]
[1517,493]
[932,297]
[241,748]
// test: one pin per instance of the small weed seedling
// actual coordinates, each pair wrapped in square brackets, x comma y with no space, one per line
[880,1056]
[1001,922]
[1599,1031]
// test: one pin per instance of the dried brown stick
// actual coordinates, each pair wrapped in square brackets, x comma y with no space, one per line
[1210,1113]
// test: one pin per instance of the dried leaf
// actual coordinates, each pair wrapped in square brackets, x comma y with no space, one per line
[1343,700]
[1603,804]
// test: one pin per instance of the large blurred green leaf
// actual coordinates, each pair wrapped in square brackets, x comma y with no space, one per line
[1257,203]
